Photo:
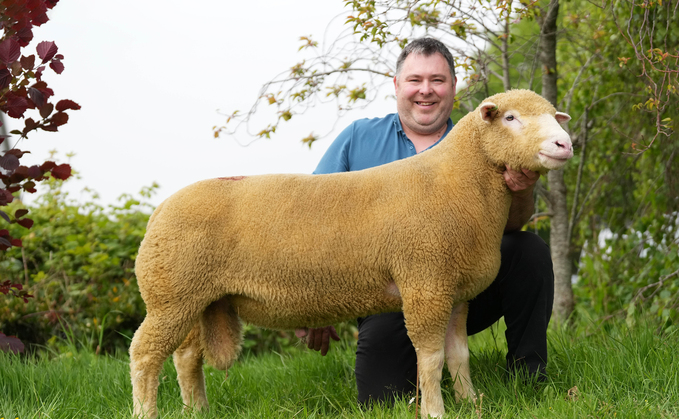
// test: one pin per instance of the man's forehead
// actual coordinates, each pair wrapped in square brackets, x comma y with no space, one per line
[417,63]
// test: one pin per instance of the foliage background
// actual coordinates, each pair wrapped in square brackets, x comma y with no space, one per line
[623,184]
[78,262]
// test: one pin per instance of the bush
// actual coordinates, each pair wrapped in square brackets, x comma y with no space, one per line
[78,262]
[634,269]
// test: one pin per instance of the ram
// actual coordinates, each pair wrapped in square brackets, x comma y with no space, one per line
[420,235]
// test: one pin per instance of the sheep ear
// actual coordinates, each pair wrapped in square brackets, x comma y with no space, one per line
[488,111]
[562,117]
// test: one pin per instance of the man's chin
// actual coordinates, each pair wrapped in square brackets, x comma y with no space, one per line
[429,126]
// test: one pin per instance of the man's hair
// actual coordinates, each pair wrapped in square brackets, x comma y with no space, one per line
[426,47]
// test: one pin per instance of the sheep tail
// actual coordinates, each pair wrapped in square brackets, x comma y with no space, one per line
[220,334]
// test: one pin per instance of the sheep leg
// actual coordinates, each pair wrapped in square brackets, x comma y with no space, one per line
[457,352]
[430,371]
[426,329]
[188,360]
[157,337]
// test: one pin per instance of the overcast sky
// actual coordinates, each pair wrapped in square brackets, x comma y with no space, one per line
[150,76]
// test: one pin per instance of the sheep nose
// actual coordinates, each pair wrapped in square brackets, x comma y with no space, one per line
[564,144]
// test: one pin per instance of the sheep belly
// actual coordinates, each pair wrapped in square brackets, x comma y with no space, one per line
[304,309]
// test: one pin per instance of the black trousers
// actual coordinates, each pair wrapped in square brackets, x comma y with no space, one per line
[523,292]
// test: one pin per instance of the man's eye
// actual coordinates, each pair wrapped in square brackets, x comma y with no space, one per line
[510,118]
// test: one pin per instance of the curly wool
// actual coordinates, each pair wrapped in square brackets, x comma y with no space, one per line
[294,251]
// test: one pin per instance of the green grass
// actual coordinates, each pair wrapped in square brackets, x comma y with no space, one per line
[619,373]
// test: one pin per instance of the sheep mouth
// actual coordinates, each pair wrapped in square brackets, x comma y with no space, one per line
[551,161]
[561,159]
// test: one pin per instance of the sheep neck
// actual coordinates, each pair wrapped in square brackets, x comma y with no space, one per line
[469,175]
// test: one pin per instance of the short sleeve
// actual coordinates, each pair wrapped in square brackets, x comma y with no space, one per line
[336,157]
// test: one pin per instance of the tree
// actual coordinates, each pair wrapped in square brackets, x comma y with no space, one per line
[559,243]
[503,45]
[621,61]
[22,88]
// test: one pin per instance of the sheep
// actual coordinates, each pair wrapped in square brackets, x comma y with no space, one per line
[420,235]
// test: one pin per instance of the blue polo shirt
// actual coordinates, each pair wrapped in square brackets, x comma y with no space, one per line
[369,143]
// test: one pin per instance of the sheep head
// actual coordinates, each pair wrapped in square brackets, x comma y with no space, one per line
[521,129]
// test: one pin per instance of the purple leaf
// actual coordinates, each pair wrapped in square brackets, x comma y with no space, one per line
[28,62]
[9,51]
[46,110]
[46,50]
[16,106]
[11,344]
[5,78]
[34,172]
[36,96]
[57,66]
[9,162]
[63,171]
[65,104]
[25,222]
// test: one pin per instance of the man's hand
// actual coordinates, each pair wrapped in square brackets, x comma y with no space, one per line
[521,183]
[318,339]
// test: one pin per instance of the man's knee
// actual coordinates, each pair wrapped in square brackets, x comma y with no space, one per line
[527,258]
[380,329]
[386,362]
[525,242]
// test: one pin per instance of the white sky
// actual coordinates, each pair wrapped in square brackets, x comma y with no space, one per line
[150,76]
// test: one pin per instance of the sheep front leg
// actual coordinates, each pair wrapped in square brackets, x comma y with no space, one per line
[426,328]
[430,372]
[457,352]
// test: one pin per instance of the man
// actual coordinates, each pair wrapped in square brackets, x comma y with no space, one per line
[386,363]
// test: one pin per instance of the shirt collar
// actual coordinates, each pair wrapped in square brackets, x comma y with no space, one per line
[399,129]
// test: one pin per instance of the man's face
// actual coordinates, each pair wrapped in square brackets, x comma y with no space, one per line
[425,93]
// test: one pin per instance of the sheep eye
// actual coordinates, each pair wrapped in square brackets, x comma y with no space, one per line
[510,118]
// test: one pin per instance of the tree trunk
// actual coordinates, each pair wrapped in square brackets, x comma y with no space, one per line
[560,247]
[558,237]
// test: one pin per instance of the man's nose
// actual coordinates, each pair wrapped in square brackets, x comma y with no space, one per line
[425,87]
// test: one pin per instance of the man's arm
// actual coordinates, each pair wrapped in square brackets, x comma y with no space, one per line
[521,183]
[336,157]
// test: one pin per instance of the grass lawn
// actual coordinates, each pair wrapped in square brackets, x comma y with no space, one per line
[618,372]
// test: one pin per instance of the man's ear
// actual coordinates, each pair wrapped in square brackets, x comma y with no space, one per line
[395,85]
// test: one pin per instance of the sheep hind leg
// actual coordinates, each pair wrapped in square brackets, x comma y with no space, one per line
[157,337]
[188,360]
[457,352]
[220,330]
